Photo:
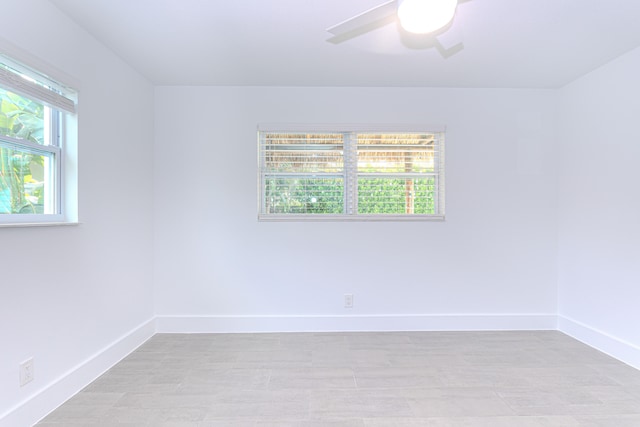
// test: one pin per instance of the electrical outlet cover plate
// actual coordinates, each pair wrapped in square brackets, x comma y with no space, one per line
[26,372]
[348,300]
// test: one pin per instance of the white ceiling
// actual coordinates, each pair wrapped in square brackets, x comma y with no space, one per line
[507,43]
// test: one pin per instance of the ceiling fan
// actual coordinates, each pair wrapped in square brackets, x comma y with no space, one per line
[423,24]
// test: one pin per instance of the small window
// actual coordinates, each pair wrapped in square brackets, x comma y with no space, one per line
[350,174]
[33,119]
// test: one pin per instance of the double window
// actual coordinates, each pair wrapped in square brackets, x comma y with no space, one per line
[34,113]
[345,174]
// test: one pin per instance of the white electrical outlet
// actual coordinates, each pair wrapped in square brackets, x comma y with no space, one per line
[26,372]
[348,300]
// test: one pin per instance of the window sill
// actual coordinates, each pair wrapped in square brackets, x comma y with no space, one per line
[37,224]
[348,218]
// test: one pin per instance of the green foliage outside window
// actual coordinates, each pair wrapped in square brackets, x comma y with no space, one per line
[20,118]
[304,195]
[325,196]
[396,196]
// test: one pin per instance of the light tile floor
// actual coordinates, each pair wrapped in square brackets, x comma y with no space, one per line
[432,379]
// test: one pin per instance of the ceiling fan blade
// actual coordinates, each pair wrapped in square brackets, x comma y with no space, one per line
[365,19]
[362,30]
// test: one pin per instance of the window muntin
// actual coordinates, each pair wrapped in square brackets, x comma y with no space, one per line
[31,144]
[351,175]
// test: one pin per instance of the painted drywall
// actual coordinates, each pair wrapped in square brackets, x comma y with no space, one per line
[68,293]
[493,255]
[599,230]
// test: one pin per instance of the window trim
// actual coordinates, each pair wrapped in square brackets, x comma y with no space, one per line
[63,100]
[352,128]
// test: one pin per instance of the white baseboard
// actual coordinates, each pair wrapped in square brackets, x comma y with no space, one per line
[54,394]
[330,323]
[608,344]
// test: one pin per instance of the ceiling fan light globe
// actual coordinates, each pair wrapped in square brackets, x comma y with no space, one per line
[425,16]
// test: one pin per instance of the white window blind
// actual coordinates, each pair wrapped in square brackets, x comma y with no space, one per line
[360,175]
[36,87]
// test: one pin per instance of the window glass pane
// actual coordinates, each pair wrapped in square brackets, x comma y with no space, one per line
[21,118]
[303,153]
[378,172]
[304,195]
[26,181]
[394,153]
[396,196]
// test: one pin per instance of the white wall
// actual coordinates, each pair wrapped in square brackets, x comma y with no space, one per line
[217,268]
[68,293]
[599,254]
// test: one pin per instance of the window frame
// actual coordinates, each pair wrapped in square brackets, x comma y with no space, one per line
[61,136]
[351,174]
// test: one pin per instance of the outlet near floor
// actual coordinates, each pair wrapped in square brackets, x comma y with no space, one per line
[26,372]
[348,300]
